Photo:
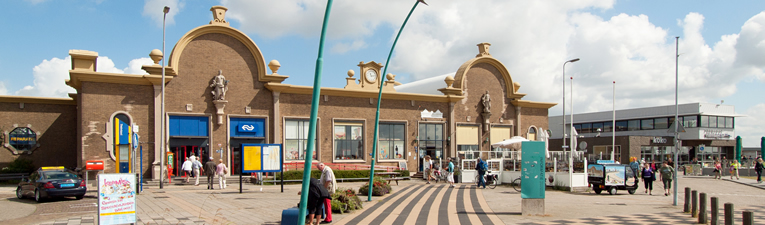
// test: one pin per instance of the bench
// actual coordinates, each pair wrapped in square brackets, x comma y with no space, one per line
[393,179]
[13,176]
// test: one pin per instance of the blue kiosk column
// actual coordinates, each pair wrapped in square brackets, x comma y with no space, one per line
[533,178]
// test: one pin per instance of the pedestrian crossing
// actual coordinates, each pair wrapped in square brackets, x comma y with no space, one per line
[428,204]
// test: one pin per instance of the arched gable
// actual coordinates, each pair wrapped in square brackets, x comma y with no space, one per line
[459,78]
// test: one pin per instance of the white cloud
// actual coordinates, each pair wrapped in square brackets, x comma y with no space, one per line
[3,90]
[35,2]
[154,10]
[750,126]
[49,76]
[341,48]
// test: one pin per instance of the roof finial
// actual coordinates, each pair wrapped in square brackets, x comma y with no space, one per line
[219,15]
[483,49]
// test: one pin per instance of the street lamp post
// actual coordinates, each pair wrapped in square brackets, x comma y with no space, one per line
[379,98]
[677,142]
[571,156]
[162,111]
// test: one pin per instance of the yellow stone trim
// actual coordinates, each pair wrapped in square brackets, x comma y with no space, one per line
[37,100]
[462,71]
[360,93]
[530,104]
[77,77]
[175,55]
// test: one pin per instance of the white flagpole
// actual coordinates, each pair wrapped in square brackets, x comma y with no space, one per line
[613,124]
[572,140]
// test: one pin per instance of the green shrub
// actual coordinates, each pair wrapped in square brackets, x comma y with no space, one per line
[345,200]
[19,165]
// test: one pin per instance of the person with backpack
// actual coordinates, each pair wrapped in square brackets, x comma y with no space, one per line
[758,166]
[481,168]
[648,178]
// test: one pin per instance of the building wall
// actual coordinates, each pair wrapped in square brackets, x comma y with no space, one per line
[55,125]
[99,102]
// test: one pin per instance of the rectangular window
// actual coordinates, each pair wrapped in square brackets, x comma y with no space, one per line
[646,124]
[430,140]
[713,121]
[661,123]
[296,140]
[586,128]
[633,125]
[621,125]
[704,121]
[578,128]
[349,141]
[729,122]
[597,127]
[690,121]
[607,126]
[391,141]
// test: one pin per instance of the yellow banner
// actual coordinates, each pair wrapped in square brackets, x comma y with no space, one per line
[251,158]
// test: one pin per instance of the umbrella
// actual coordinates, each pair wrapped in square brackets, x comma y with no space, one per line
[513,143]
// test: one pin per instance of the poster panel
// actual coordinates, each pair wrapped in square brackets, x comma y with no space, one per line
[262,158]
[116,198]
[615,175]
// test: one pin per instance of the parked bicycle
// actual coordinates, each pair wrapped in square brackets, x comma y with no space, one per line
[516,184]
[491,179]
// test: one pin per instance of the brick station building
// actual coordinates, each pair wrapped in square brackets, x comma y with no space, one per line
[478,105]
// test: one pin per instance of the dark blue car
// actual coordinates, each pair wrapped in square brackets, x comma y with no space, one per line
[49,182]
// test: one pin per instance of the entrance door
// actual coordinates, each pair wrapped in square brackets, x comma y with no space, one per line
[183,152]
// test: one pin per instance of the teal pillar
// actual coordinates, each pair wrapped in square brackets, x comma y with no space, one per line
[738,149]
[762,147]
[312,124]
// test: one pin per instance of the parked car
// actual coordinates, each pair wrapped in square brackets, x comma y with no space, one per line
[47,182]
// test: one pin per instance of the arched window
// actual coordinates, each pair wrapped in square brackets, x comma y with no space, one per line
[532,136]
[122,134]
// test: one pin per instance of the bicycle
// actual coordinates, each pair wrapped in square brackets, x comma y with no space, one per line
[490,179]
[516,184]
[440,175]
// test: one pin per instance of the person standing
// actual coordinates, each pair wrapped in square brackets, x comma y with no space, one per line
[450,173]
[221,170]
[667,173]
[758,167]
[329,182]
[316,195]
[734,169]
[186,167]
[428,166]
[480,167]
[196,166]
[210,168]
[718,170]
[635,166]
[648,178]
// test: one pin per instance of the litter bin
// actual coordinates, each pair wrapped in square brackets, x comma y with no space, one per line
[290,216]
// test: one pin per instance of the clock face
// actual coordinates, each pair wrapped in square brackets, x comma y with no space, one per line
[371,75]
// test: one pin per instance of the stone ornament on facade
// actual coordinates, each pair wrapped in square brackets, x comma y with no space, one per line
[220,86]
[486,100]
[219,15]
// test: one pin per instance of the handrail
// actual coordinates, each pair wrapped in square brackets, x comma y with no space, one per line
[338,166]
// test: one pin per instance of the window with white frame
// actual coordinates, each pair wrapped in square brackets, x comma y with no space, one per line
[349,140]
[296,139]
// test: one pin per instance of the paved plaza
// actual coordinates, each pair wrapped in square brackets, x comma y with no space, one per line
[412,202]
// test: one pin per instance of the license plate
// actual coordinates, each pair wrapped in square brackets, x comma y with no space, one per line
[67,185]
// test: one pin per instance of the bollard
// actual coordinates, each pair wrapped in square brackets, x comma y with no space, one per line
[687,205]
[694,203]
[728,213]
[703,208]
[748,218]
[715,211]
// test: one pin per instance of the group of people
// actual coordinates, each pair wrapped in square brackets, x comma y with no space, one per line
[430,167]
[734,166]
[648,173]
[319,196]
[192,167]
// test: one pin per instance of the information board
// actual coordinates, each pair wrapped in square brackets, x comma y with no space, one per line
[116,198]
[261,158]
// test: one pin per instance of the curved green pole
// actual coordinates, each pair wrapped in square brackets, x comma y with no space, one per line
[379,97]
[312,125]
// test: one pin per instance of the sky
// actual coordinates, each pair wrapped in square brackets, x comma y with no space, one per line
[632,42]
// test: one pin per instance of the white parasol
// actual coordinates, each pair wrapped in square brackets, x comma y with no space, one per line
[512,143]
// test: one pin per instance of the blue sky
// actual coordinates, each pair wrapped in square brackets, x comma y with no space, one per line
[632,42]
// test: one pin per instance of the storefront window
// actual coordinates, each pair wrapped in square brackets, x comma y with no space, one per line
[391,141]
[431,140]
[22,139]
[296,139]
[349,141]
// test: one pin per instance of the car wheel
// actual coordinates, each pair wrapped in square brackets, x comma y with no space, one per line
[78,197]
[19,193]
[612,191]
[38,198]
[597,190]
[632,192]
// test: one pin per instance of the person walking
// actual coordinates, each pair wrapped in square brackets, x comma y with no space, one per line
[186,167]
[210,169]
[758,167]
[718,170]
[450,173]
[481,167]
[196,166]
[648,178]
[734,169]
[428,166]
[635,166]
[667,173]
[329,182]
[221,170]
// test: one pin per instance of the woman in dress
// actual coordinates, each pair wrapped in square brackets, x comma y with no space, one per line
[648,178]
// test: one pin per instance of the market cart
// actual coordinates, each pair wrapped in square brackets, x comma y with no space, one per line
[609,176]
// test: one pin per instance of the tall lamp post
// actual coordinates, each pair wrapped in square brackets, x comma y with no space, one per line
[564,102]
[162,111]
[613,123]
[379,98]
[677,142]
[314,113]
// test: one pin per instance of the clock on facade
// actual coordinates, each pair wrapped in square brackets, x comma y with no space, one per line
[371,76]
